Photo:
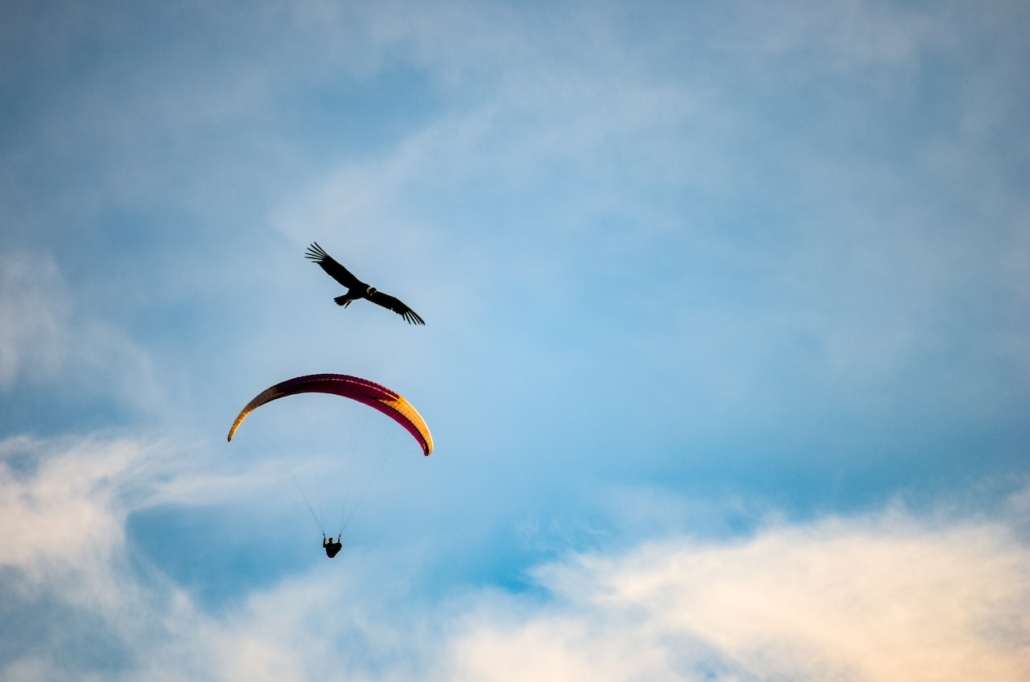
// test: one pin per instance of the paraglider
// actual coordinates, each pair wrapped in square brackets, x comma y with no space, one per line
[363,391]
[356,288]
[331,548]
[390,403]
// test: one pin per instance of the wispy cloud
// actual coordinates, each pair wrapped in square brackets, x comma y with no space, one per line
[46,339]
[885,596]
[33,308]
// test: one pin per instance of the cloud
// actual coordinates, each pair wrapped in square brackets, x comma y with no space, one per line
[64,514]
[885,596]
[32,308]
[45,338]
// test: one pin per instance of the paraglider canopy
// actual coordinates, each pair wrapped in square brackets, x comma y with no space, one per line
[389,402]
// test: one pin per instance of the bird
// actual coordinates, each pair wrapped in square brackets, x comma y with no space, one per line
[356,288]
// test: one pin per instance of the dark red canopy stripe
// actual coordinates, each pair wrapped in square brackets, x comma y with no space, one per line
[376,396]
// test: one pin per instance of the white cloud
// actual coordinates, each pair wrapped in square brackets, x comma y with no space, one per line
[885,596]
[881,598]
[63,517]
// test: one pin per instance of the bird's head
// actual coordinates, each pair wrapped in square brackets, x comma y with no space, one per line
[371,291]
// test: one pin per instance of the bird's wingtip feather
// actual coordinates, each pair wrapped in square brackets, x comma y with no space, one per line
[315,252]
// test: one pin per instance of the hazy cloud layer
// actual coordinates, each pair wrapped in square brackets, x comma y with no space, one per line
[885,596]
[33,309]
[47,342]
[814,234]
[802,207]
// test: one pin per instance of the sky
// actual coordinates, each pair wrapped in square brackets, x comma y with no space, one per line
[726,355]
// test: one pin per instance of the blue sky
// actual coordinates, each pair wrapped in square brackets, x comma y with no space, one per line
[727,354]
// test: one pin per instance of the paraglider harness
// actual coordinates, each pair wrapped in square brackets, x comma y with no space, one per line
[331,548]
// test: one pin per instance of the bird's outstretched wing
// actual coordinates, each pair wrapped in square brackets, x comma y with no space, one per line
[387,301]
[341,274]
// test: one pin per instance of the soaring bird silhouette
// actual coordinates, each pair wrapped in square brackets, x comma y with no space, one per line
[356,288]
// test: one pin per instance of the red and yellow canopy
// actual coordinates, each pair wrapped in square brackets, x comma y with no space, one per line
[390,403]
